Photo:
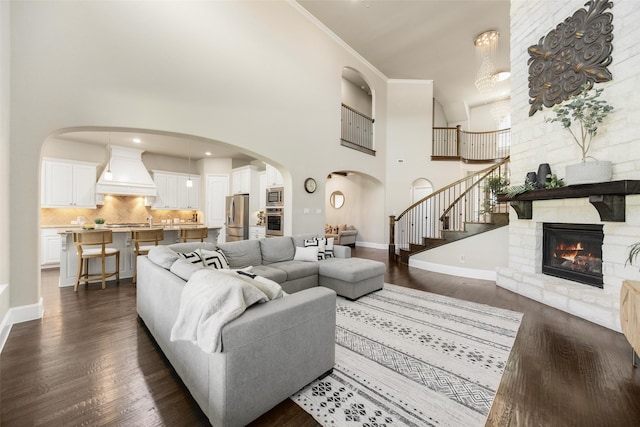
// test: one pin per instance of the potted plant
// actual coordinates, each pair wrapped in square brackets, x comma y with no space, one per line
[99,222]
[634,251]
[580,115]
[495,185]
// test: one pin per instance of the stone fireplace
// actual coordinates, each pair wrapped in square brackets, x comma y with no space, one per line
[535,142]
[524,274]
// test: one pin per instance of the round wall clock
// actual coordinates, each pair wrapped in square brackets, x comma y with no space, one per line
[310,185]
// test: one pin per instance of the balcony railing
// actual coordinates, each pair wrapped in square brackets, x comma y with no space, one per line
[357,130]
[470,147]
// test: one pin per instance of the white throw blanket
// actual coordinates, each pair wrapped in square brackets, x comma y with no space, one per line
[209,301]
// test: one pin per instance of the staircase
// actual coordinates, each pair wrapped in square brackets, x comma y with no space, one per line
[462,209]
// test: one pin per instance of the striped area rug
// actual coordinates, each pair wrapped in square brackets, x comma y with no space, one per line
[411,358]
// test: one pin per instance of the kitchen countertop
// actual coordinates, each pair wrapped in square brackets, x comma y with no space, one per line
[63,229]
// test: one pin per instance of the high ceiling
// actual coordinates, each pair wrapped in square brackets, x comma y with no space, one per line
[403,39]
[423,39]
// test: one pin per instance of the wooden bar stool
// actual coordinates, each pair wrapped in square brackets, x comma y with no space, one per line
[146,235]
[86,242]
[194,233]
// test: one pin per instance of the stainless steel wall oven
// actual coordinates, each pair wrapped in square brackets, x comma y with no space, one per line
[274,222]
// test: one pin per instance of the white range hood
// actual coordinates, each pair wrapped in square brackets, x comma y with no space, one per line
[129,175]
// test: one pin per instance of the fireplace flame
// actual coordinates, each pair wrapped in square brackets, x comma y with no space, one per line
[569,252]
[573,254]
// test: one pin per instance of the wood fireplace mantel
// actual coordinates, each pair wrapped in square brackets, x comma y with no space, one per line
[607,197]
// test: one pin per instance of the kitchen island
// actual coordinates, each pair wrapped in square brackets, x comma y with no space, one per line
[121,241]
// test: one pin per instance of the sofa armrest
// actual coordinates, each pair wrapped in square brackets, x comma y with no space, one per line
[262,320]
[270,352]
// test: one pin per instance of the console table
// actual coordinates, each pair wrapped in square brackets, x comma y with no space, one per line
[630,314]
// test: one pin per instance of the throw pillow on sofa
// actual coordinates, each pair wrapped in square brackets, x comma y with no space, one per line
[213,259]
[316,242]
[184,269]
[325,246]
[162,256]
[306,254]
[192,257]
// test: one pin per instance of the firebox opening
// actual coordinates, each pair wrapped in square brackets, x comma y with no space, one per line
[573,252]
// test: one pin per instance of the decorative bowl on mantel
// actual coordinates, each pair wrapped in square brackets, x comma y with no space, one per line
[588,172]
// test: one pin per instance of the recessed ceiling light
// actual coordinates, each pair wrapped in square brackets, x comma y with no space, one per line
[208,153]
[137,140]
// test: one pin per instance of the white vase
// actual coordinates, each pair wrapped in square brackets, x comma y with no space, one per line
[588,172]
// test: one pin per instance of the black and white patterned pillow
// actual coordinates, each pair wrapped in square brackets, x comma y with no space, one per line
[316,242]
[214,259]
[192,257]
[328,246]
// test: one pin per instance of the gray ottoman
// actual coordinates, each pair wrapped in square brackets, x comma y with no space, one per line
[351,277]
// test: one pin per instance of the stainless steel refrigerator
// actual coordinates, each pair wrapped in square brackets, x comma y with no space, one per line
[237,214]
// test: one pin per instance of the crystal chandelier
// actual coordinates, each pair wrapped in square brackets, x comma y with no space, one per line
[485,77]
[486,48]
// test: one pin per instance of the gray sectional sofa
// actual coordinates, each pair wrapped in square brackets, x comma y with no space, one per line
[273,349]
[273,258]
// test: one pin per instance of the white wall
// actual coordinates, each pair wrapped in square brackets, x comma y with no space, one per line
[75,150]
[350,213]
[409,136]
[439,119]
[5,201]
[481,118]
[228,71]
[477,256]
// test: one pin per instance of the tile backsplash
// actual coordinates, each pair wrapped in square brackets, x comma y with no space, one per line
[116,209]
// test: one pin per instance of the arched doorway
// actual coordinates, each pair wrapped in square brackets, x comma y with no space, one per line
[421,188]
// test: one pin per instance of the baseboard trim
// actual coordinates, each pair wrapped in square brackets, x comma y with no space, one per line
[4,333]
[471,273]
[372,245]
[5,325]
[24,313]
[18,315]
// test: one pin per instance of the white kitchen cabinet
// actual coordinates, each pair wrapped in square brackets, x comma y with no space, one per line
[67,184]
[167,188]
[173,193]
[188,197]
[193,199]
[242,179]
[256,232]
[50,244]
[274,177]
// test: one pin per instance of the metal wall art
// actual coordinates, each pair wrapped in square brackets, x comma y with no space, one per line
[577,51]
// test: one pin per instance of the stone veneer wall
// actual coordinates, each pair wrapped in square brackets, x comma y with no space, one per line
[116,209]
[535,142]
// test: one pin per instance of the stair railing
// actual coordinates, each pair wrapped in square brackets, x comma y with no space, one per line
[470,199]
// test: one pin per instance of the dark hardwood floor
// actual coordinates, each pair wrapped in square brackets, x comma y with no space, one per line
[90,361]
